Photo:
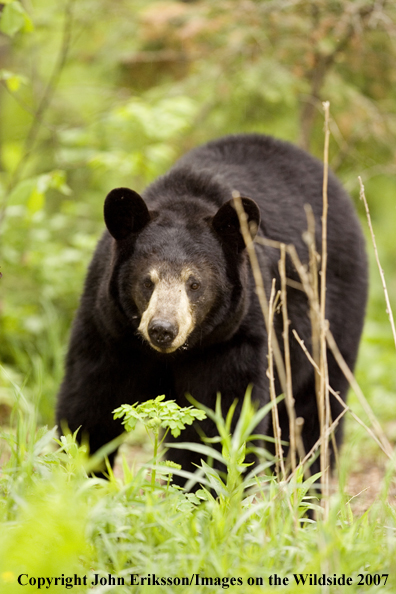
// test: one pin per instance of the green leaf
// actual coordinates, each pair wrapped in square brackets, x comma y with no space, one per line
[156,413]
[12,80]
[14,19]
[36,201]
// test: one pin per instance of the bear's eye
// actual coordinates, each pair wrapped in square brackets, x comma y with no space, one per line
[194,285]
[148,283]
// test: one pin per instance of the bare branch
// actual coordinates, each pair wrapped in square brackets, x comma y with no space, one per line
[258,279]
[388,305]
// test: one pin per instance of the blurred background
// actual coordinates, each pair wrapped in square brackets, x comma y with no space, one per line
[96,94]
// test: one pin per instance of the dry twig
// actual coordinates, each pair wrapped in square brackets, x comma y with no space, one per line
[258,279]
[271,378]
[289,386]
[323,399]
[388,305]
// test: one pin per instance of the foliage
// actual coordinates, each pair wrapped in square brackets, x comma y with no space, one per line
[100,94]
[55,521]
[155,414]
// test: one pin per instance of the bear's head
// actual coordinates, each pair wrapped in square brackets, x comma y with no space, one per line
[180,270]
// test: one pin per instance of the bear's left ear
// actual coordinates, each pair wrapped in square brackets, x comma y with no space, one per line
[125,212]
[226,222]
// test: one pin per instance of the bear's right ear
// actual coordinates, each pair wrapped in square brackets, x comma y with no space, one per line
[226,222]
[125,212]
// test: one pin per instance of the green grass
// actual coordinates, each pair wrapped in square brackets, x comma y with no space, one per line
[56,521]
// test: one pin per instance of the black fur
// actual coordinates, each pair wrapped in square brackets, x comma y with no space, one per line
[189,220]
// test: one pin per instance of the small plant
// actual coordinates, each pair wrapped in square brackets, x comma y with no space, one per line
[156,415]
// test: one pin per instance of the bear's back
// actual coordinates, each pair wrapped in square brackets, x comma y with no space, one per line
[282,179]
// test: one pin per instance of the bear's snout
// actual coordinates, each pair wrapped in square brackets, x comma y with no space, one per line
[168,318]
[162,332]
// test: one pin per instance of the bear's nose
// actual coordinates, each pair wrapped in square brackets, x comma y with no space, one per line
[162,333]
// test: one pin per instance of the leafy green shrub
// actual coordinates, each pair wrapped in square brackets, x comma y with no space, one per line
[55,521]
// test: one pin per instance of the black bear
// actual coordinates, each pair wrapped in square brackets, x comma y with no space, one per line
[170,306]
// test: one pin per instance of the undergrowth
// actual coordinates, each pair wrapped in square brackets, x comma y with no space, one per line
[242,531]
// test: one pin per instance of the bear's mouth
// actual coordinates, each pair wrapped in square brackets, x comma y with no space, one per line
[170,349]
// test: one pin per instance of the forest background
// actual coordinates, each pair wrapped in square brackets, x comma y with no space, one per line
[97,94]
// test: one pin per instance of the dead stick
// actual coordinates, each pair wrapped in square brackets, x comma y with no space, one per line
[289,388]
[258,279]
[270,373]
[388,305]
